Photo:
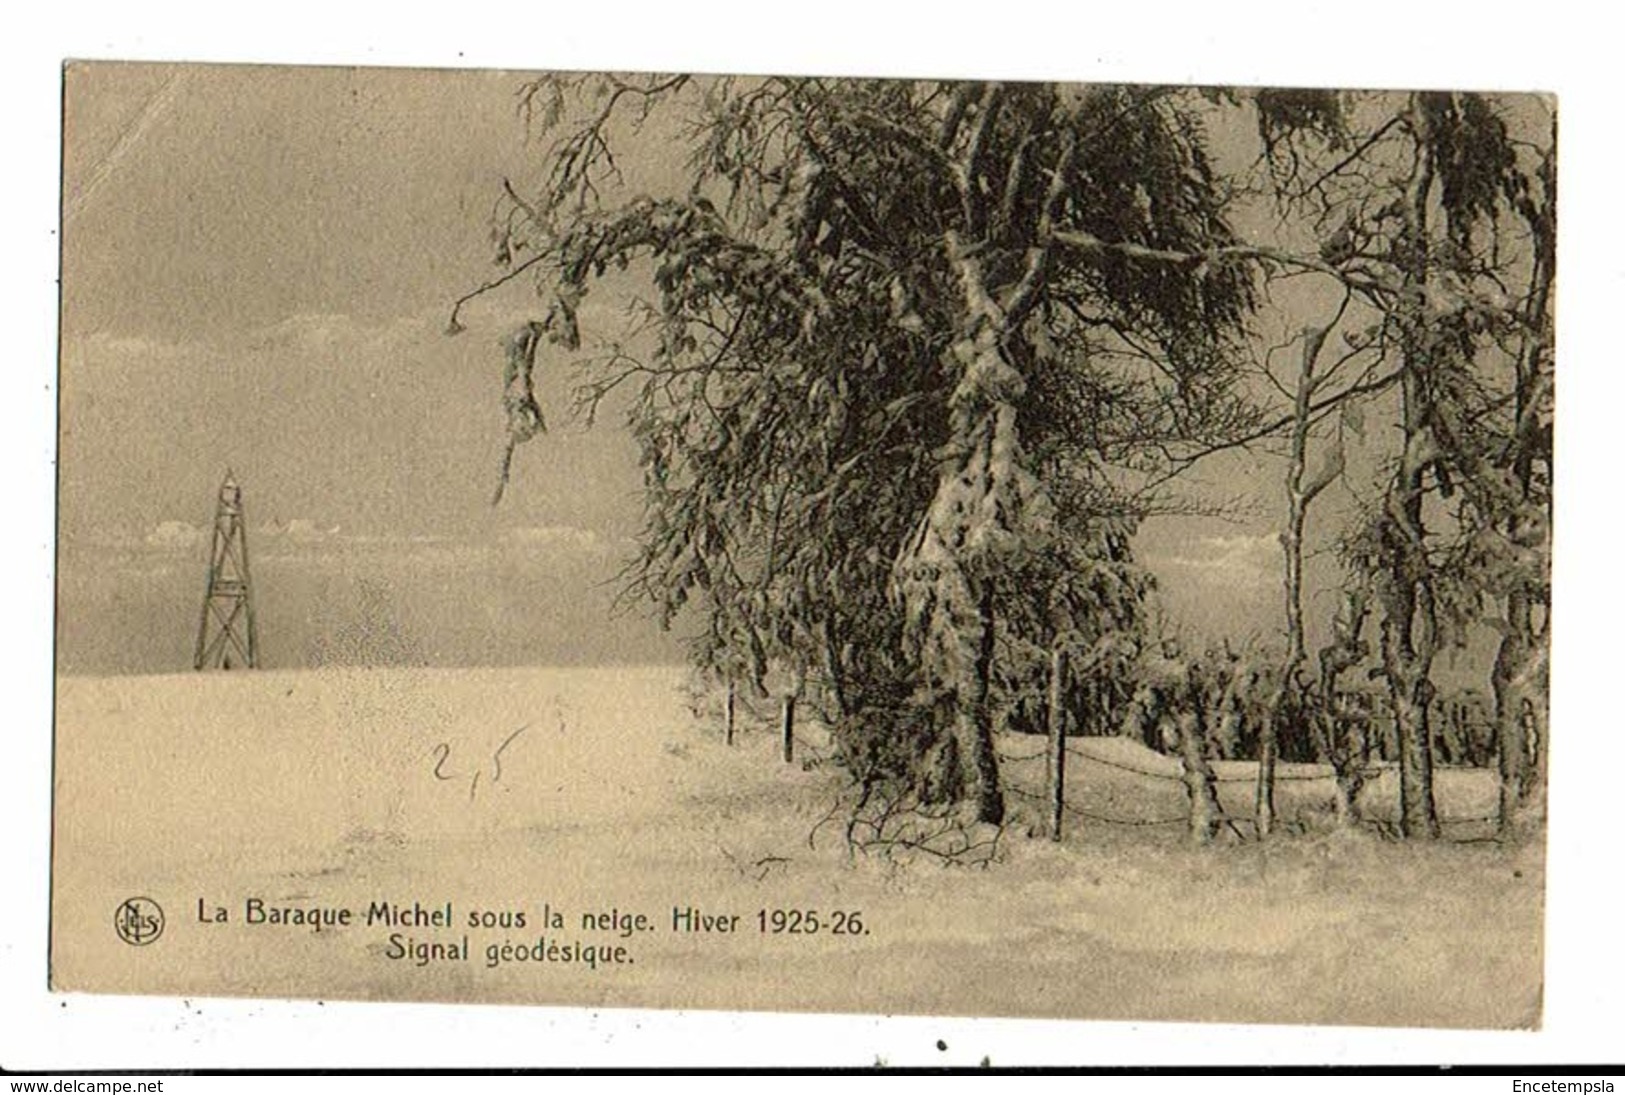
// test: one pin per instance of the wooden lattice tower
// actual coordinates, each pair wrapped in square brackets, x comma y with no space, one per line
[226,637]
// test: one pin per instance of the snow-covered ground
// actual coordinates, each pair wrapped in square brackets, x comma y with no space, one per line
[595,791]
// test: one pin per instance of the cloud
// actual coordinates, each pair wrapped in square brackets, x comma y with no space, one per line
[322,335]
[302,537]
[299,530]
[174,536]
[1234,560]
[315,329]
[317,339]
[556,537]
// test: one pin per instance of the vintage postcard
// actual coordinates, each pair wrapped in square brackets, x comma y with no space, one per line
[804,544]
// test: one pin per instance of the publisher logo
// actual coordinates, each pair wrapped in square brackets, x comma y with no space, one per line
[139,921]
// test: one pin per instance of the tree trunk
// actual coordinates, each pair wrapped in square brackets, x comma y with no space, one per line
[980,517]
[1410,626]
[1519,676]
[1264,793]
[1511,743]
[1200,789]
[1348,781]
[1539,727]
[1412,695]
[1345,738]
[1518,680]
[1300,491]
[1418,818]
[974,728]
[940,775]
[834,673]
[1057,742]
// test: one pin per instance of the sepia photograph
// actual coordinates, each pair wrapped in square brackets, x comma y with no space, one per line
[882,546]
[656,538]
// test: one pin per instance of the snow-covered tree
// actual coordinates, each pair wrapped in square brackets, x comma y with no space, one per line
[1428,207]
[900,337]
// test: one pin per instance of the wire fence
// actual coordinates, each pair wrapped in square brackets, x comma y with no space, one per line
[771,710]
[1373,771]
[1074,749]
[1092,815]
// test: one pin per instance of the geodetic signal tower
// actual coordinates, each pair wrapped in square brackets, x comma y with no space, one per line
[226,637]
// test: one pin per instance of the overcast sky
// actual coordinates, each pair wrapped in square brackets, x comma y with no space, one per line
[258,269]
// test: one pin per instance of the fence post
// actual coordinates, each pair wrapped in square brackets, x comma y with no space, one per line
[729,715]
[789,727]
[1057,742]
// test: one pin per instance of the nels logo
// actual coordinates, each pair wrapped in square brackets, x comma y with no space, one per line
[139,921]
